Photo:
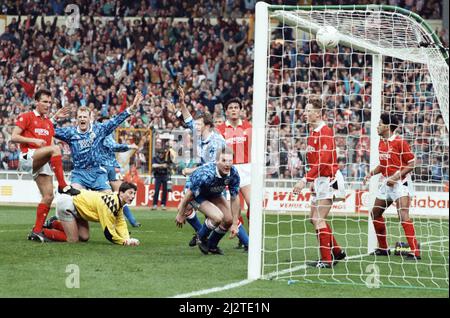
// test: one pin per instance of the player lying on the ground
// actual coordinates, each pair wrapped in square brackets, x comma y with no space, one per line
[396,163]
[205,193]
[106,208]
[327,183]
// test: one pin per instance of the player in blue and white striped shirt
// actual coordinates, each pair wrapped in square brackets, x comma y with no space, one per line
[206,193]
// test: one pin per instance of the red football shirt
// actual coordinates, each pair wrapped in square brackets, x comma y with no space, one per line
[239,139]
[321,153]
[394,154]
[35,126]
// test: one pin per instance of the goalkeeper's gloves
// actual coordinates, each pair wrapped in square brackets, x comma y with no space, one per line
[131,242]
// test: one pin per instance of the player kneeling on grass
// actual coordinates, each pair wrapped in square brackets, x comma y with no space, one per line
[205,193]
[396,163]
[93,206]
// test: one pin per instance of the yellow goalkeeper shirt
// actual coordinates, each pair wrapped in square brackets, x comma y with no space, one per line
[104,208]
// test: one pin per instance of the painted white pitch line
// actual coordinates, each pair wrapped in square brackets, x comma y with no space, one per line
[214,290]
[268,276]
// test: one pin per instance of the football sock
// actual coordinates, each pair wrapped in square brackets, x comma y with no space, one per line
[56,224]
[55,235]
[193,220]
[325,244]
[206,229]
[336,248]
[130,217]
[242,235]
[380,229]
[56,164]
[216,236]
[411,237]
[41,214]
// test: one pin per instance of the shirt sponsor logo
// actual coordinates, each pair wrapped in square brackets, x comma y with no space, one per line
[41,131]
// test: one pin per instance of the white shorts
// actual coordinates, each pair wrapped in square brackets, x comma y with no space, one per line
[403,188]
[26,165]
[245,173]
[327,188]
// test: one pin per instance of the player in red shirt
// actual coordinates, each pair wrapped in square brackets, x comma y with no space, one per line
[34,132]
[328,183]
[396,163]
[237,133]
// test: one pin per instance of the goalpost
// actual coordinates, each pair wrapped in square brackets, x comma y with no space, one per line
[388,60]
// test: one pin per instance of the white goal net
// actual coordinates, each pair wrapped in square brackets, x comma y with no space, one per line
[387,60]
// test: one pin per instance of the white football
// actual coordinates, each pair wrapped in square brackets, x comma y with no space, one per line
[327,37]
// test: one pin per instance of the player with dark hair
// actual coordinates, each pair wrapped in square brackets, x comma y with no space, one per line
[206,193]
[39,155]
[237,133]
[327,183]
[396,163]
[93,206]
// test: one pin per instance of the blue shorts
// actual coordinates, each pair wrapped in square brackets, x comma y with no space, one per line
[112,174]
[200,199]
[92,179]
[195,203]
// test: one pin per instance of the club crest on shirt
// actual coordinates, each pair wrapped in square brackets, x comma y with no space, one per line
[92,135]
[227,181]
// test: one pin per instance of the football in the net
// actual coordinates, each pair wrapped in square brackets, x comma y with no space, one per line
[327,37]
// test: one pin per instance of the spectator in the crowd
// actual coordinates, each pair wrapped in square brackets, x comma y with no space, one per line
[10,161]
[161,172]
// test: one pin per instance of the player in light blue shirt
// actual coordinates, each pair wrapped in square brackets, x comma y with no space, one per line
[207,142]
[206,193]
[108,160]
[84,142]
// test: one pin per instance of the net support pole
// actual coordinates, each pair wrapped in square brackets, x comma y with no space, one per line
[377,89]
[258,140]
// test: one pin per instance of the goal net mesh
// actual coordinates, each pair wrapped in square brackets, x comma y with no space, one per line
[414,88]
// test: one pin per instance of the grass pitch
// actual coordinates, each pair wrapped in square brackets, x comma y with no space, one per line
[164,265]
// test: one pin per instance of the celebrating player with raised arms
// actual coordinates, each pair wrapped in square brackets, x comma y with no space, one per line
[396,163]
[327,183]
[206,193]
[85,141]
[39,155]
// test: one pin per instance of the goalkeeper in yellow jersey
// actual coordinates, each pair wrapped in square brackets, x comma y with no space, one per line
[74,213]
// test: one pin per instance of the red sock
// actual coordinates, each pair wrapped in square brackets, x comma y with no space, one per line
[241,220]
[55,235]
[248,214]
[56,224]
[336,248]
[56,163]
[325,244]
[41,215]
[411,237]
[380,229]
